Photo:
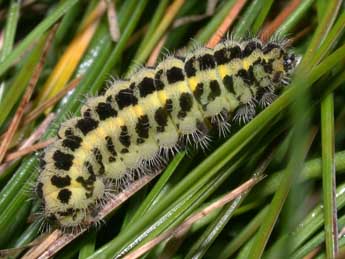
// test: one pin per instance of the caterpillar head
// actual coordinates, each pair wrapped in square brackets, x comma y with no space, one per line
[278,63]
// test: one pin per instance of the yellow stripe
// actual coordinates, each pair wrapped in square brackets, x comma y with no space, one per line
[223,70]
[246,64]
[193,82]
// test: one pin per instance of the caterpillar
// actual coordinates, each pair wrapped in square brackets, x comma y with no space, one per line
[138,123]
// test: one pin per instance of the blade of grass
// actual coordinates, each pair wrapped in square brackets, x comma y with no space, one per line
[67,64]
[321,33]
[176,214]
[201,246]
[300,149]
[243,27]
[260,19]
[311,170]
[315,242]
[334,35]
[328,176]
[10,29]
[121,45]
[270,28]
[226,23]
[168,18]
[27,95]
[215,22]
[294,18]
[53,17]
[32,115]
[66,24]
[310,224]
[89,244]
[152,196]
[235,194]
[17,87]
[160,11]
[244,235]
[298,142]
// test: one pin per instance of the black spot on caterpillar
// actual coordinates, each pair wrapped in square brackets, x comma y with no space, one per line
[138,122]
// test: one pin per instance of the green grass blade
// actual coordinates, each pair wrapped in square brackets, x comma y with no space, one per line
[17,87]
[10,29]
[244,235]
[89,245]
[310,224]
[244,25]
[205,34]
[259,21]
[294,18]
[35,34]
[152,196]
[144,45]
[315,242]
[328,175]
[200,247]
[120,46]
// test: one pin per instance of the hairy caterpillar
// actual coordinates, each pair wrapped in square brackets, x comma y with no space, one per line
[138,123]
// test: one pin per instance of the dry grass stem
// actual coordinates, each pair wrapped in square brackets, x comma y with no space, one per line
[26,98]
[28,150]
[155,53]
[180,230]
[114,28]
[270,28]
[50,102]
[228,21]
[33,138]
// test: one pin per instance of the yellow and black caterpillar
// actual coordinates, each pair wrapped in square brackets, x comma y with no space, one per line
[138,123]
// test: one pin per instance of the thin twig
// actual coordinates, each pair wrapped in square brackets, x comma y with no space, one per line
[50,102]
[33,138]
[195,217]
[298,36]
[95,15]
[177,239]
[113,21]
[26,98]
[270,28]
[228,21]
[28,150]
[210,10]
[313,253]
[136,36]
[155,53]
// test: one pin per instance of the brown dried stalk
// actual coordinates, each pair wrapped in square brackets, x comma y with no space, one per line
[270,28]
[33,138]
[26,98]
[50,102]
[195,217]
[228,21]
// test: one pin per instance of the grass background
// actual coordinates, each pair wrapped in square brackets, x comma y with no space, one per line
[297,142]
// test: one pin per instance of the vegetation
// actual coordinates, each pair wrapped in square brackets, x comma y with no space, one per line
[267,191]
